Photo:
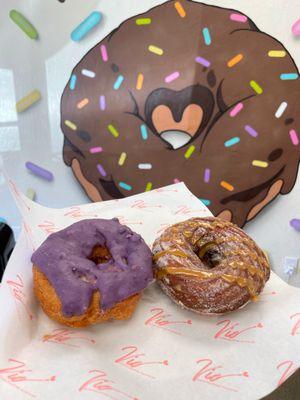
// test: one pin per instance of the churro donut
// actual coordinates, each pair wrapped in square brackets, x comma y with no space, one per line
[209,265]
[91,272]
[187,70]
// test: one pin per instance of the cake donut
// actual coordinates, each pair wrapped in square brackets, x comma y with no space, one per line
[209,265]
[185,92]
[91,272]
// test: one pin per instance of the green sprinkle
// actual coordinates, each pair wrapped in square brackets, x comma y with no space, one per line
[23,24]
[143,21]
[255,86]
[148,187]
[189,151]
[113,130]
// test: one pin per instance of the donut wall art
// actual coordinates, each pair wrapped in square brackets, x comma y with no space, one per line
[185,92]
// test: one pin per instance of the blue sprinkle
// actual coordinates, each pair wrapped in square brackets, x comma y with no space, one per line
[206,35]
[205,202]
[118,82]
[144,132]
[289,77]
[89,23]
[232,141]
[73,82]
[125,186]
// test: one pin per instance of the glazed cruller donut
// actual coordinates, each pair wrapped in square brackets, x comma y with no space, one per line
[209,266]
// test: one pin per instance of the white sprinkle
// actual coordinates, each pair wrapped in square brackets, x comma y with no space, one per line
[281,109]
[88,73]
[145,166]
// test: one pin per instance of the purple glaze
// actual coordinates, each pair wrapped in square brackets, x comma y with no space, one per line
[63,258]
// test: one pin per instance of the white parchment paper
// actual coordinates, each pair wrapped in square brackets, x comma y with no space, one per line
[163,352]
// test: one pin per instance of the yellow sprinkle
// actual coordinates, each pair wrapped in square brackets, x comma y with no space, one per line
[83,103]
[276,53]
[70,125]
[258,163]
[143,21]
[30,193]
[180,9]
[113,130]
[235,60]
[122,158]
[139,82]
[156,50]
[189,151]
[148,187]
[255,86]
[28,101]
[227,186]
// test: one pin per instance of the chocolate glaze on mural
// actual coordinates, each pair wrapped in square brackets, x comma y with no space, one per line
[186,67]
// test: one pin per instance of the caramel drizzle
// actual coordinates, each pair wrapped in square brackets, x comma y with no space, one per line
[173,252]
[242,282]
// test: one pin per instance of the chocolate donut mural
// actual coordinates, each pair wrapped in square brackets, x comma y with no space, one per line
[207,76]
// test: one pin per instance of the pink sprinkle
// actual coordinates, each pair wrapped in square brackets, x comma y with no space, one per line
[172,77]
[102,102]
[94,150]
[294,137]
[238,18]
[101,170]
[236,109]
[296,28]
[104,53]
[176,180]
[207,175]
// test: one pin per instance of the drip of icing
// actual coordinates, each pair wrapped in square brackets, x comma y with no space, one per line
[173,252]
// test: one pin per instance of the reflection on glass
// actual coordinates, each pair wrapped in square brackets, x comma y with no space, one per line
[9,139]
[7,96]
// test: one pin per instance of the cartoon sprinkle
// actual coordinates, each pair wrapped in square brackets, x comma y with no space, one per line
[23,24]
[232,141]
[206,36]
[180,9]
[118,82]
[202,61]
[296,28]
[236,109]
[206,202]
[207,175]
[156,50]
[294,137]
[27,101]
[251,131]
[104,55]
[148,187]
[73,82]
[255,86]
[227,186]
[189,151]
[277,53]
[85,26]
[261,164]
[101,170]
[144,132]
[172,77]
[281,109]
[143,21]
[82,103]
[95,150]
[113,130]
[145,166]
[238,18]
[139,81]
[102,102]
[88,73]
[289,76]
[70,125]
[39,171]
[122,158]
[30,193]
[235,60]
[125,186]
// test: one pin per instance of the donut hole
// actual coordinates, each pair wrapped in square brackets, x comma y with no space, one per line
[100,254]
[210,255]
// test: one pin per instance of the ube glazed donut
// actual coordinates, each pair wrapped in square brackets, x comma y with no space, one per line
[209,265]
[91,272]
[209,73]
